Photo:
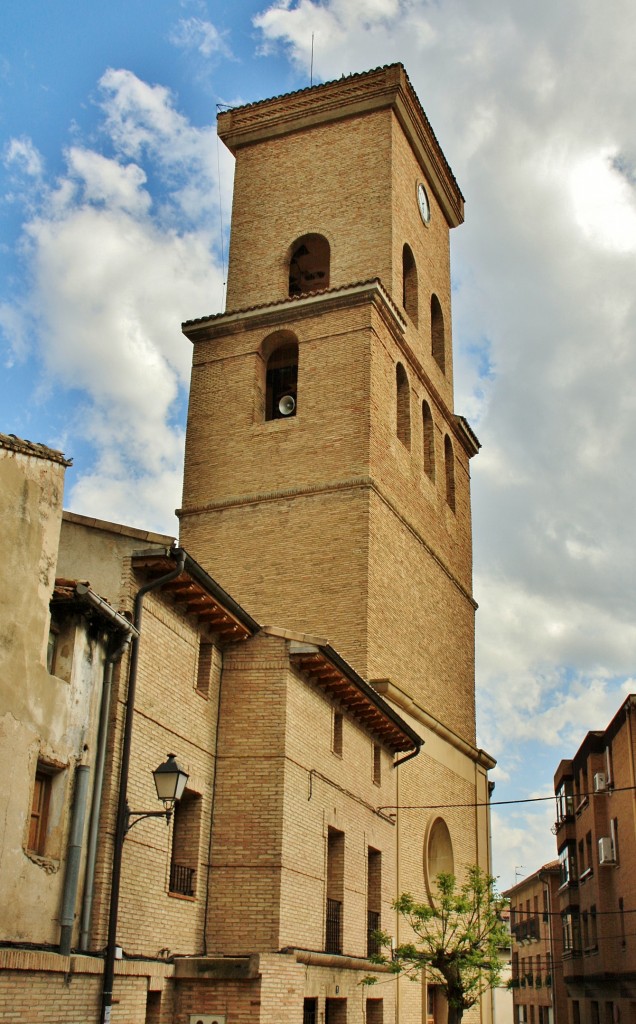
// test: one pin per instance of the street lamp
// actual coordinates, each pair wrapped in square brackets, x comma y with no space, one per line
[170,781]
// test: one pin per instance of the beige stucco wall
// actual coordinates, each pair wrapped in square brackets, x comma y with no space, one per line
[42,716]
[93,550]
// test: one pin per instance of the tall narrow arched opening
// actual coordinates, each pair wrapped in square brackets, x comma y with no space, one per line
[438,853]
[403,403]
[409,283]
[281,376]
[428,441]
[438,343]
[449,466]
[309,261]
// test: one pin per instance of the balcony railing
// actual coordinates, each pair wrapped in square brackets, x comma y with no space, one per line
[182,879]
[373,924]
[526,930]
[333,938]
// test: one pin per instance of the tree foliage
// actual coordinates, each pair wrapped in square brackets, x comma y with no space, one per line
[457,941]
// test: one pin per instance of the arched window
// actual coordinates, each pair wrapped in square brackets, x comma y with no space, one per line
[309,265]
[438,851]
[438,347]
[428,441]
[449,465]
[403,401]
[281,377]
[409,283]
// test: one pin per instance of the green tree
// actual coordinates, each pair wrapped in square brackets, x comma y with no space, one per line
[457,942]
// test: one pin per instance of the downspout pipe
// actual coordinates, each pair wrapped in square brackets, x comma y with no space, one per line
[73,858]
[120,623]
[98,782]
[179,555]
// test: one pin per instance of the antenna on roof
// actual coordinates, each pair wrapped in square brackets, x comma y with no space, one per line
[311,71]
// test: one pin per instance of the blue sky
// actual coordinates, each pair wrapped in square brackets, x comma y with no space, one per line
[114,206]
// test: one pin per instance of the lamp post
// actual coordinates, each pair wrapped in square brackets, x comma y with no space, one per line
[170,781]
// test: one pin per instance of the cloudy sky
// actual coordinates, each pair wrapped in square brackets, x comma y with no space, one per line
[115,197]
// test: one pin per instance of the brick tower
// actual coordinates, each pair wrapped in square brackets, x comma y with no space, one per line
[326,474]
[326,485]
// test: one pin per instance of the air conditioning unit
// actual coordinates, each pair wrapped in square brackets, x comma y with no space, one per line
[606,851]
[600,782]
[207,1018]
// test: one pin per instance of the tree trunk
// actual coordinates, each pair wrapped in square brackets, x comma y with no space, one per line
[455,1014]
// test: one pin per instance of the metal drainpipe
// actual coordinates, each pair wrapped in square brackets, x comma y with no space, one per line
[82,772]
[109,961]
[96,803]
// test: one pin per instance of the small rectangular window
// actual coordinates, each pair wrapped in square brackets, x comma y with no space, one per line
[39,812]
[336,745]
[310,1011]
[204,667]
[377,763]
[375,1011]
[51,649]
[335,1011]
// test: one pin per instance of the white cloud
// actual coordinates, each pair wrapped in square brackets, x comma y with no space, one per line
[201,35]
[604,202]
[22,154]
[114,269]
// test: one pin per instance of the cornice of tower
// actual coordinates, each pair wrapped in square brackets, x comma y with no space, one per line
[353,96]
[274,315]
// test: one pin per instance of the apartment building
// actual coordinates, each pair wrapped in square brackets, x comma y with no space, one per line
[535,926]
[596,840]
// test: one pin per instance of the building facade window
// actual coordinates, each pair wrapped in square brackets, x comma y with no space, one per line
[377,764]
[409,283]
[571,932]
[403,405]
[336,733]
[186,831]
[567,864]
[204,667]
[374,898]
[449,466]
[335,1011]
[40,803]
[281,381]
[310,1011]
[428,441]
[438,341]
[375,1011]
[335,890]
[564,801]
[309,264]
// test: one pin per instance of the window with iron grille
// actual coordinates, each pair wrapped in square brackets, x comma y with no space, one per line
[335,890]
[333,941]
[310,1011]
[185,844]
[374,897]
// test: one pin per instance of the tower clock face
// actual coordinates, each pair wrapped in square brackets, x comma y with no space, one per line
[423,203]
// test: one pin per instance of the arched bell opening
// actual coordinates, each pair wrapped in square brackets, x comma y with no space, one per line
[309,265]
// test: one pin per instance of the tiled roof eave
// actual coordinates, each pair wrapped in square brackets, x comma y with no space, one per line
[328,671]
[294,305]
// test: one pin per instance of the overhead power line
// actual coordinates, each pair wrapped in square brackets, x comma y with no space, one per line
[500,803]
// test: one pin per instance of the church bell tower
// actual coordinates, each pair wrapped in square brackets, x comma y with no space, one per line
[326,474]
